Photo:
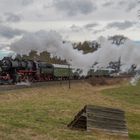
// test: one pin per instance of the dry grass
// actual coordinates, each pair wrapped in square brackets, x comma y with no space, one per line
[107,80]
[43,113]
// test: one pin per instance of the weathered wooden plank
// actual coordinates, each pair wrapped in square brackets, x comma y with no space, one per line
[107,122]
[93,107]
[105,117]
[104,125]
[104,111]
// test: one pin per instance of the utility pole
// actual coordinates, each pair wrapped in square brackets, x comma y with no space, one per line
[69,76]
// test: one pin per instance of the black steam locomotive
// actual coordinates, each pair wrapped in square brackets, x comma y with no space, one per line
[15,70]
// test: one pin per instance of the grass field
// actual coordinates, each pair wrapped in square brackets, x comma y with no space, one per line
[43,113]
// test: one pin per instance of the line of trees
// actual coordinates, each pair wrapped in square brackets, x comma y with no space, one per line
[43,56]
[86,46]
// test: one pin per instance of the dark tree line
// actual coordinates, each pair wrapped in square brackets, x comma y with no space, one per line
[43,56]
[89,47]
[86,46]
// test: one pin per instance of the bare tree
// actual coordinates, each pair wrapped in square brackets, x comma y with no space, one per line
[118,39]
[115,65]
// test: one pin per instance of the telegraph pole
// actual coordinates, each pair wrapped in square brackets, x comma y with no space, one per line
[69,76]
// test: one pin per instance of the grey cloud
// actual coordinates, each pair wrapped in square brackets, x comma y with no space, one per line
[108,3]
[10,17]
[9,32]
[98,31]
[74,7]
[17,2]
[75,28]
[138,13]
[129,5]
[1,19]
[26,2]
[122,2]
[90,25]
[121,25]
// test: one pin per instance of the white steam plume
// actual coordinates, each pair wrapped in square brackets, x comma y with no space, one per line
[135,80]
[53,43]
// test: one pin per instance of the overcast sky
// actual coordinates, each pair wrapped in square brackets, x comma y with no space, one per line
[75,20]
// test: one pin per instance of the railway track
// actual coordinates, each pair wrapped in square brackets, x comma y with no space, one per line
[37,84]
[49,83]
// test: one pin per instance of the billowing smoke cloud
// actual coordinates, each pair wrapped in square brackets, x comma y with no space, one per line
[53,43]
[128,52]
[135,79]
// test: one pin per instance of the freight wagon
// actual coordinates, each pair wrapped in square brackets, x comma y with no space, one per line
[100,72]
